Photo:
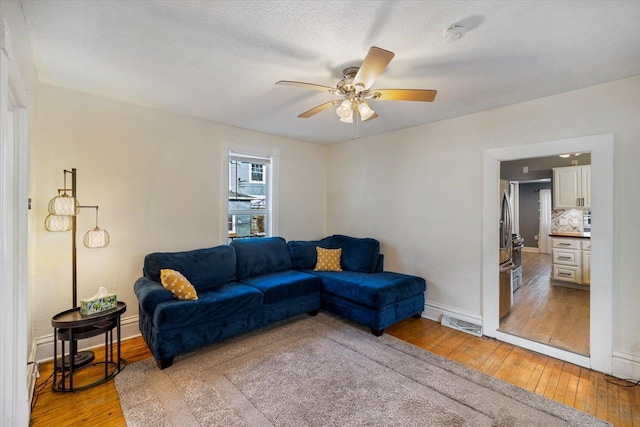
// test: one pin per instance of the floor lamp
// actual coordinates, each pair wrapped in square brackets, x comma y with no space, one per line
[63,210]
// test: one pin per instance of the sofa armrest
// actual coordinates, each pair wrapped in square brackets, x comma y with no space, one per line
[150,293]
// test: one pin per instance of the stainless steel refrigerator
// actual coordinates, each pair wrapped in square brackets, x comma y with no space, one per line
[506,261]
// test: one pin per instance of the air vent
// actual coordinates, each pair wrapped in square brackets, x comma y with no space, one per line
[461,325]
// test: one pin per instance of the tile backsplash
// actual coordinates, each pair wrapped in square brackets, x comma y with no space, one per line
[567,220]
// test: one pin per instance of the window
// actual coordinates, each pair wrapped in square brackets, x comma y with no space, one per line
[249,213]
[257,172]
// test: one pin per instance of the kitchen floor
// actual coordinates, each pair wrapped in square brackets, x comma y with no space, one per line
[552,315]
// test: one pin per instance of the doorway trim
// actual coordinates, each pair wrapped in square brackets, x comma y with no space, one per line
[601,294]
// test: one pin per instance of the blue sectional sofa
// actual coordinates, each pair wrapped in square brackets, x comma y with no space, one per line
[255,282]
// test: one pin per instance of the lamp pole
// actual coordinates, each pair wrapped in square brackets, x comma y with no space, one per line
[74,265]
[78,358]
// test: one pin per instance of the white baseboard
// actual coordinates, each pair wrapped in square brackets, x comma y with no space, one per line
[434,311]
[44,345]
[626,366]
[529,249]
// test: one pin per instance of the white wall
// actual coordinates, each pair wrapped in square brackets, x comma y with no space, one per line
[419,191]
[157,179]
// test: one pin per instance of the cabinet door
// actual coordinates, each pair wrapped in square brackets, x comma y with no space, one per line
[586,267]
[585,186]
[566,187]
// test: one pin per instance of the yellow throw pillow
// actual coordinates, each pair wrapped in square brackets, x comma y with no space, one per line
[328,259]
[179,286]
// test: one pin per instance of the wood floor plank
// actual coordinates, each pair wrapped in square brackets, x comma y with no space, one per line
[496,359]
[580,400]
[563,383]
[572,386]
[554,378]
[613,403]
[624,407]
[602,404]
[540,366]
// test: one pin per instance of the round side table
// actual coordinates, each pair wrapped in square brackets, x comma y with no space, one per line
[71,326]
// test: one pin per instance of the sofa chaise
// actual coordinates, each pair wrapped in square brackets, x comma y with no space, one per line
[252,283]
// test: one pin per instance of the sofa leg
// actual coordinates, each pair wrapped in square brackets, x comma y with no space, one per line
[417,315]
[377,332]
[313,312]
[164,363]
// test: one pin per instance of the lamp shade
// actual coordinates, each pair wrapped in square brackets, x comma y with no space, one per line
[64,205]
[344,110]
[348,119]
[57,223]
[365,111]
[96,238]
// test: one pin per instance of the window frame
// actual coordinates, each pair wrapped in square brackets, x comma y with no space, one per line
[262,173]
[229,150]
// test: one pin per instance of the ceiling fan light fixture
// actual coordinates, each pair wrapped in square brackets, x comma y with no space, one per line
[365,110]
[344,110]
[357,87]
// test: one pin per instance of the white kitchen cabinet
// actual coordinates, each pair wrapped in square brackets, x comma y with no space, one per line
[572,187]
[571,259]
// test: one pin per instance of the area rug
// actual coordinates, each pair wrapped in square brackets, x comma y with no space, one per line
[325,371]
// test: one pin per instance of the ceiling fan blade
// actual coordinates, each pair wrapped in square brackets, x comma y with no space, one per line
[306,85]
[423,95]
[316,110]
[376,61]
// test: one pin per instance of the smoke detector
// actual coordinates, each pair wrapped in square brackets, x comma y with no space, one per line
[454,33]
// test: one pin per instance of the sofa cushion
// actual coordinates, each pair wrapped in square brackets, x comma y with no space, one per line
[204,268]
[328,259]
[177,284]
[358,254]
[218,303]
[284,285]
[255,257]
[372,290]
[303,252]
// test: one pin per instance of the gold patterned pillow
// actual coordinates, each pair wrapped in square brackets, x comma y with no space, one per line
[328,259]
[179,286]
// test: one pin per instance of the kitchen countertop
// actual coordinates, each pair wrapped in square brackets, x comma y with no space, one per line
[584,235]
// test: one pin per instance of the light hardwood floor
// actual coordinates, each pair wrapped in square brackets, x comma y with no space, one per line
[572,385]
[545,313]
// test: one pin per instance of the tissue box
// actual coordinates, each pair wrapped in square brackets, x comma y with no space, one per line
[98,304]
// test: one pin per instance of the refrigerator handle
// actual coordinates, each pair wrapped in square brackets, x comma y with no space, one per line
[507,267]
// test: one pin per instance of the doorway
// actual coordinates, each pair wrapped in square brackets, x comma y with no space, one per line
[601,295]
[541,310]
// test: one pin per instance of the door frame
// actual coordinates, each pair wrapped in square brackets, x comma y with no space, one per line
[601,294]
[15,327]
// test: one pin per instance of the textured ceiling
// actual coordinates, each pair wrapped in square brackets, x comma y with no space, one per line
[219,60]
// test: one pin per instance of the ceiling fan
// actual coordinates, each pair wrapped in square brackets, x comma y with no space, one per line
[355,89]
